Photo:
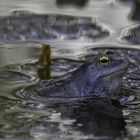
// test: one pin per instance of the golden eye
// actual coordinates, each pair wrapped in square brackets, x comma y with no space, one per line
[104,60]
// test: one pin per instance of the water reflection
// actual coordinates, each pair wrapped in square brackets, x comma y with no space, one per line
[96,116]
[79,3]
[135,14]
[135,8]
[51,27]
[131,35]
[27,115]
[65,118]
[44,62]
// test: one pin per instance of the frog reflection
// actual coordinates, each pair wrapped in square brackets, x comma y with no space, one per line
[98,116]
[89,116]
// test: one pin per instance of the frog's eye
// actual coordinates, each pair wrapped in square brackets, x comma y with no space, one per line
[104,61]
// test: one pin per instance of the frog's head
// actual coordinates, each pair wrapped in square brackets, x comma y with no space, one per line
[101,76]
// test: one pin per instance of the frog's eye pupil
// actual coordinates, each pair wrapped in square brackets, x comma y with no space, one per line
[104,60]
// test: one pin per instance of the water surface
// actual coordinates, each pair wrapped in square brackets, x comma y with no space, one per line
[75,32]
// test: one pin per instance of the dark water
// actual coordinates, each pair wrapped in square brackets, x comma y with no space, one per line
[76,31]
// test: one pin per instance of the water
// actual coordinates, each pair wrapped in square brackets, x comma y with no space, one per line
[75,31]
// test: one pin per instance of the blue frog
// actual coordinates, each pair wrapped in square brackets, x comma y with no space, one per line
[101,76]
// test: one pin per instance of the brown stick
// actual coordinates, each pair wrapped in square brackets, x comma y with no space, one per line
[44,62]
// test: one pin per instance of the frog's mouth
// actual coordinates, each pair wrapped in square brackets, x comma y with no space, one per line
[119,70]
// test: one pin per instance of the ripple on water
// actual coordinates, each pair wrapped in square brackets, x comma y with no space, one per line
[29,118]
[14,75]
[59,67]
[131,35]
[26,113]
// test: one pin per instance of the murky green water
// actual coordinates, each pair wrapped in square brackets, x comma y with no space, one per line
[75,31]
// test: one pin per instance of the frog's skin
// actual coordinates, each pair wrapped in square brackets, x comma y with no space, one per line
[100,76]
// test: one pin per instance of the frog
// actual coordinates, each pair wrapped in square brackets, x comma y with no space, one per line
[99,76]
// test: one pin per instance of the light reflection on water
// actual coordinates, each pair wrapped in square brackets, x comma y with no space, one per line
[25,116]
